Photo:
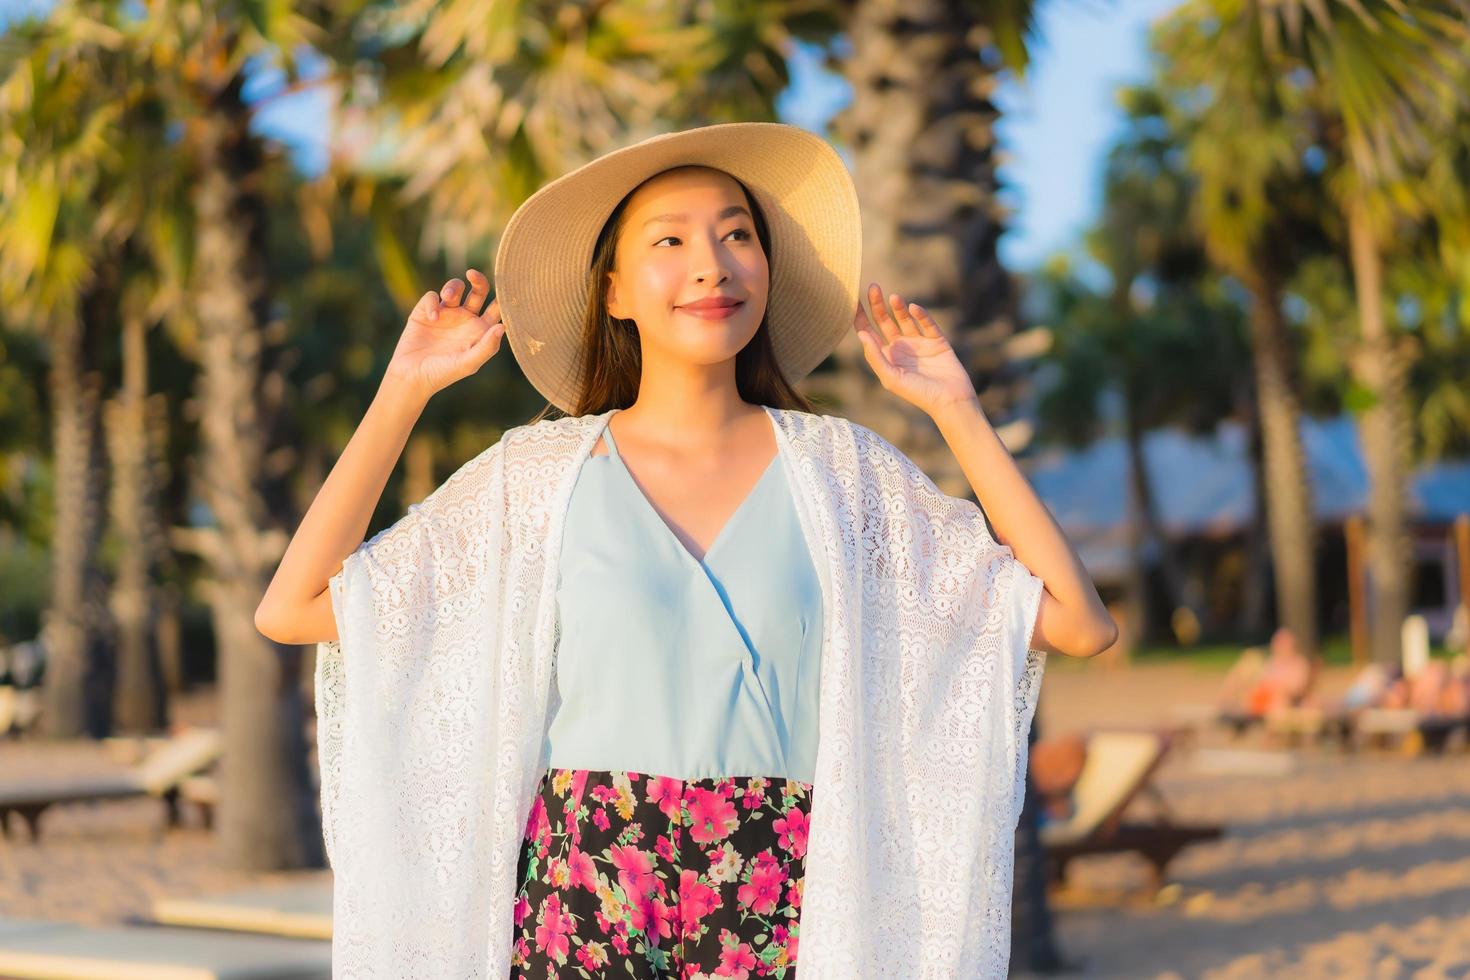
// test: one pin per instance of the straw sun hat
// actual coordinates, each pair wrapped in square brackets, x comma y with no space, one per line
[542,264]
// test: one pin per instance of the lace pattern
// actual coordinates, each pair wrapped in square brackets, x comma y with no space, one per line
[430,724]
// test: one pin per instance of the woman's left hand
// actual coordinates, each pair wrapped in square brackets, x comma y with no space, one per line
[912,358]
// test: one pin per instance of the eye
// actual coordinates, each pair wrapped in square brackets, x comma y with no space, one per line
[734,231]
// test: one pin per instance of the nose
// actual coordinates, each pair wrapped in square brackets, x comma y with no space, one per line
[710,261]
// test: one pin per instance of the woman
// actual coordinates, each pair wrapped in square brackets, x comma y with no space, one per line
[659,687]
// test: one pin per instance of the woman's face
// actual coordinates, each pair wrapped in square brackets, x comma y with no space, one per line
[688,235]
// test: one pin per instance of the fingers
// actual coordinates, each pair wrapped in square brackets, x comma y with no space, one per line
[897,318]
[452,292]
[479,289]
[925,322]
[873,352]
[881,315]
[484,346]
[426,310]
[902,319]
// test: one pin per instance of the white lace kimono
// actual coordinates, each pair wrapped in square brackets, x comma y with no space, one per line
[433,705]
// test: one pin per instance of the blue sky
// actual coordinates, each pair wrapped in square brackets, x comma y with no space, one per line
[1056,125]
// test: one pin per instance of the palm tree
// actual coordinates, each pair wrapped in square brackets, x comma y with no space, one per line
[1245,143]
[920,130]
[1164,311]
[134,434]
[1391,72]
[63,109]
[196,57]
[1164,337]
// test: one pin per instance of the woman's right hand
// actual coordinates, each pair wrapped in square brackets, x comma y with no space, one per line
[445,340]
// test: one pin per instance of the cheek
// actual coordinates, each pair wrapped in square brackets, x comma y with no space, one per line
[756,271]
[660,281]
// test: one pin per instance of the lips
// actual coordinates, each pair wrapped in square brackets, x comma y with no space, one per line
[710,311]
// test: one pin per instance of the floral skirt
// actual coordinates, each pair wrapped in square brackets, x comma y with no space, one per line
[624,874]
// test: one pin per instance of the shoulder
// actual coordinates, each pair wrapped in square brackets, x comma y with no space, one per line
[563,428]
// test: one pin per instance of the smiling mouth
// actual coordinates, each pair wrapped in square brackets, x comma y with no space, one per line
[711,312]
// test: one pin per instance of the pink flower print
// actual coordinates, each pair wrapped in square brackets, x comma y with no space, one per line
[792,828]
[653,917]
[711,817]
[620,943]
[599,819]
[793,894]
[664,847]
[552,928]
[579,783]
[755,792]
[763,890]
[635,871]
[696,900]
[536,819]
[666,791]
[581,870]
[736,958]
[522,909]
[592,956]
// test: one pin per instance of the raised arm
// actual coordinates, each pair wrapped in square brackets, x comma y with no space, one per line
[912,359]
[442,342]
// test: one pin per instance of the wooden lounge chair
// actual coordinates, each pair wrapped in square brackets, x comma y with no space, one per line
[1120,767]
[32,949]
[158,774]
[302,910]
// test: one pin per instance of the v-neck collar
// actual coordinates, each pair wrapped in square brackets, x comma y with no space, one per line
[730,520]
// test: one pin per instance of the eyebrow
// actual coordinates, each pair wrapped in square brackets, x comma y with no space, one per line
[731,211]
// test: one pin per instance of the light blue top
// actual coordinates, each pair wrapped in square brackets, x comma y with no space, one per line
[678,667]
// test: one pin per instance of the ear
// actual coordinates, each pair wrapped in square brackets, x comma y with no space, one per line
[614,308]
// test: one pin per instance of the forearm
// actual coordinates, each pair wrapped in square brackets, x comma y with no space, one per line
[1021,521]
[337,520]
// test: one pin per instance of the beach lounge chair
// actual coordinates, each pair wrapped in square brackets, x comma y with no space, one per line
[1421,712]
[303,910]
[158,774]
[31,949]
[1120,767]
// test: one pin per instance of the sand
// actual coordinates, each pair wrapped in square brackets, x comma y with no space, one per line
[1348,865]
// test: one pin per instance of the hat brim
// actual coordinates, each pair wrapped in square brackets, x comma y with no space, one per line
[800,184]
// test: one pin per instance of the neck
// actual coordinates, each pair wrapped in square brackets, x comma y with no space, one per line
[690,407]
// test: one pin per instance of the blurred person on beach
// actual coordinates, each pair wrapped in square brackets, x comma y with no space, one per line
[1257,685]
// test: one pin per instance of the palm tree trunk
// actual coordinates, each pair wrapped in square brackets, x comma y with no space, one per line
[1150,546]
[1290,513]
[70,624]
[139,703]
[1254,602]
[1386,434]
[267,814]
[1140,605]
[920,130]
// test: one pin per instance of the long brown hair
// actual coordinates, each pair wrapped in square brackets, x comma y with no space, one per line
[612,360]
